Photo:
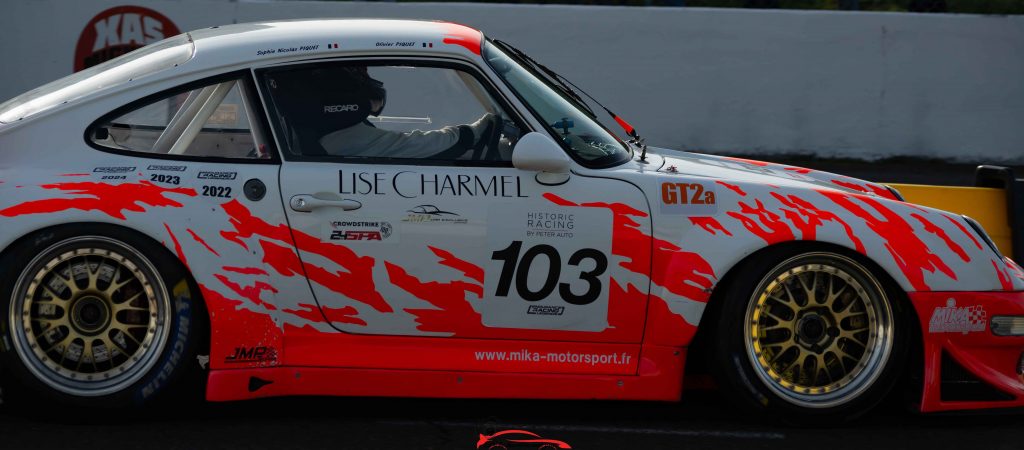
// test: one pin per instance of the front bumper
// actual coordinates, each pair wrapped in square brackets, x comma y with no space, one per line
[966,366]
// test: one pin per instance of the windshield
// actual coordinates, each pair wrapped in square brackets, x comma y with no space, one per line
[588,142]
[130,66]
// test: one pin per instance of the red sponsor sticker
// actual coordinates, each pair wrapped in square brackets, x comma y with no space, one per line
[119,30]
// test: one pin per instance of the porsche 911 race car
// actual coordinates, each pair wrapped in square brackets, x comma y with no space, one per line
[407,208]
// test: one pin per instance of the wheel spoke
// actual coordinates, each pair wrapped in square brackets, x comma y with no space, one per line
[66,340]
[782,323]
[53,296]
[69,283]
[112,343]
[793,363]
[48,324]
[823,366]
[114,285]
[789,293]
[94,276]
[129,336]
[127,305]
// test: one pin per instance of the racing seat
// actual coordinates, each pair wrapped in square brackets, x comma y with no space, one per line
[313,110]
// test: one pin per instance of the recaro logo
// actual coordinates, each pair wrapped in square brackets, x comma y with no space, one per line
[341,108]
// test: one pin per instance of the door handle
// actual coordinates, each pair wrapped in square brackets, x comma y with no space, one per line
[307,203]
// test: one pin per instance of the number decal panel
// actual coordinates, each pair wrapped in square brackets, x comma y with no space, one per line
[553,259]
[217,191]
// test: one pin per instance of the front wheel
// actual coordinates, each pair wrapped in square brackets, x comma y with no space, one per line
[816,338]
[104,318]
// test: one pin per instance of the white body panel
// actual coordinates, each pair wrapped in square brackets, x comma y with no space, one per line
[656,243]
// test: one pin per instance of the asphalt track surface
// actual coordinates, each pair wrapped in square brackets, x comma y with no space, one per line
[703,420]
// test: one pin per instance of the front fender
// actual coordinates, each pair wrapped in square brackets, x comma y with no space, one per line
[719,223]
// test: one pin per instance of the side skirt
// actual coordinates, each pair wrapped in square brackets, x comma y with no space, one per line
[660,377]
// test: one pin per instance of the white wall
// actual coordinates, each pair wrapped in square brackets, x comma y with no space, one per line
[860,85]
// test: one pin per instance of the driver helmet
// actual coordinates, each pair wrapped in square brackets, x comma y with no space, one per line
[371,88]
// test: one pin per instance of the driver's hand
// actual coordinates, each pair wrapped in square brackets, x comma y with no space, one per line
[480,126]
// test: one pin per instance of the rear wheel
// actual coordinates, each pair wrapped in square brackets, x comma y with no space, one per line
[817,337]
[94,319]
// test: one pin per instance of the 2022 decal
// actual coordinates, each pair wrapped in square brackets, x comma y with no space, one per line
[217,191]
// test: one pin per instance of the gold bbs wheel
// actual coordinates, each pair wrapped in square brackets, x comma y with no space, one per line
[818,330]
[90,316]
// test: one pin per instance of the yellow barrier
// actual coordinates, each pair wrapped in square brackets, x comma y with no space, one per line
[986,205]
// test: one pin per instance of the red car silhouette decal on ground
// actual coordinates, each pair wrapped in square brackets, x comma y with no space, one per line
[518,439]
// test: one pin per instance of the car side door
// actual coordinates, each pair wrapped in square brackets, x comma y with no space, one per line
[449,244]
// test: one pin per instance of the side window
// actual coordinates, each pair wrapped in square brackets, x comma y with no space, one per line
[397,113]
[210,121]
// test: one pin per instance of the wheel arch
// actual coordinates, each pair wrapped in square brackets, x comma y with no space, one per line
[699,352]
[113,231]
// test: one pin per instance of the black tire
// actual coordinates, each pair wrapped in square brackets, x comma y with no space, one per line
[142,376]
[751,367]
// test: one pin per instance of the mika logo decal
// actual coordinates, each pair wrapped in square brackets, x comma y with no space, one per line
[517,439]
[433,214]
[346,230]
[957,319]
[217,175]
[119,30]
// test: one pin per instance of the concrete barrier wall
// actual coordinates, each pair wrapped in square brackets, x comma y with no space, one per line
[859,85]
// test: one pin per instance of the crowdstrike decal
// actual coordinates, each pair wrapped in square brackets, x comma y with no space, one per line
[954,319]
[366,230]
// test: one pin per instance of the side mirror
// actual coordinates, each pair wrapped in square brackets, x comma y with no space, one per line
[537,152]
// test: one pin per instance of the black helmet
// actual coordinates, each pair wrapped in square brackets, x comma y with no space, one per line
[373,88]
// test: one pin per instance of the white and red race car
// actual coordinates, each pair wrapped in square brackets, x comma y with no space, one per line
[405,208]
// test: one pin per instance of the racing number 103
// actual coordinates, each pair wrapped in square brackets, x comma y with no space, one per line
[520,269]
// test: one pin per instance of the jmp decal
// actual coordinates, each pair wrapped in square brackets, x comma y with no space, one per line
[687,198]
[957,319]
[251,354]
